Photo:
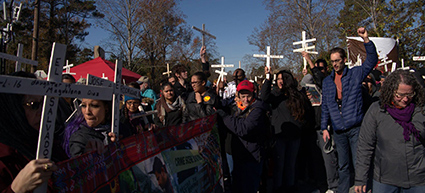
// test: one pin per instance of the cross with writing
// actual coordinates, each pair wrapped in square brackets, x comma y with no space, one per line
[52,89]
[418,58]
[304,47]
[222,66]
[168,73]
[204,32]
[267,56]
[67,68]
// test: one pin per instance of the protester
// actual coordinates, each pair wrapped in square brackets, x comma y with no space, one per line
[248,128]
[201,102]
[169,107]
[91,130]
[392,134]
[342,104]
[20,117]
[181,87]
[330,160]
[291,111]
[147,94]
[129,116]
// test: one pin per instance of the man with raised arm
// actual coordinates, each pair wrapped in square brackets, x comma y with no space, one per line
[342,104]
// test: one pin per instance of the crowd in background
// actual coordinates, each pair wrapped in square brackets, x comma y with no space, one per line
[273,135]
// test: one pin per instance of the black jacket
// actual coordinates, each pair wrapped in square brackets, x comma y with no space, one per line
[282,121]
[180,90]
[249,131]
[206,107]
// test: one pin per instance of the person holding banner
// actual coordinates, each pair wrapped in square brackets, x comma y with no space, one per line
[20,117]
[169,107]
[90,130]
[248,126]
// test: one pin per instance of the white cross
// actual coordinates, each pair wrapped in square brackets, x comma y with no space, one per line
[168,71]
[385,62]
[52,89]
[18,58]
[304,47]
[240,65]
[358,62]
[418,58]
[267,56]
[222,66]
[204,32]
[67,68]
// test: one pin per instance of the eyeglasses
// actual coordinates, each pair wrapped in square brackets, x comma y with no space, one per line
[33,105]
[408,95]
[336,61]
[133,103]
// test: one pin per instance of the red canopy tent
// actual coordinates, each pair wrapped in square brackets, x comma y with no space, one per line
[99,67]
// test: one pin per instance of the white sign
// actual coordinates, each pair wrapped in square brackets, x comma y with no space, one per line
[267,56]
[418,58]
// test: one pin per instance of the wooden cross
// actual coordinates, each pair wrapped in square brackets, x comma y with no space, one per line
[385,62]
[104,77]
[358,62]
[304,47]
[168,71]
[67,68]
[222,66]
[18,58]
[204,32]
[52,89]
[267,56]
[418,58]
[240,64]
[402,66]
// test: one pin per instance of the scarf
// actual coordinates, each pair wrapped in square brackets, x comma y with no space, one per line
[404,118]
[164,107]
[241,107]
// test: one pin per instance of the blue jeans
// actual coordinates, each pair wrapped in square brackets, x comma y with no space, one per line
[344,141]
[385,188]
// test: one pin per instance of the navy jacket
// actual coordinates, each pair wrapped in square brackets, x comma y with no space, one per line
[248,128]
[351,113]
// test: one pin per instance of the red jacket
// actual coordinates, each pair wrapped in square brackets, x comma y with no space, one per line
[11,162]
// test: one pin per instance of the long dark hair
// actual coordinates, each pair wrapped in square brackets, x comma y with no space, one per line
[392,82]
[296,100]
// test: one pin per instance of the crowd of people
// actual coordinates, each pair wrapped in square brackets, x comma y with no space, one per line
[363,132]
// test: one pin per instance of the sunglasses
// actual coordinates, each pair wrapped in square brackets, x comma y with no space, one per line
[34,105]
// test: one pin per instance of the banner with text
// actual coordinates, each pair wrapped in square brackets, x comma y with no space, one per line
[182,158]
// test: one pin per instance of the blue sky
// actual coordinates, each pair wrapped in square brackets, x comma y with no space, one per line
[230,21]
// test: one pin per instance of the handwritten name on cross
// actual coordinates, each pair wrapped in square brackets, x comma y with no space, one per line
[67,68]
[304,47]
[267,56]
[385,62]
[18,58]
[203,32]
[168,73]
[221,72]
[51,90]
[118,89]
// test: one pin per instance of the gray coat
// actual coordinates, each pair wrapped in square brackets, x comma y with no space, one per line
[396,162]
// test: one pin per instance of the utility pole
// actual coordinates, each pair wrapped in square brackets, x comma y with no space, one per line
[35,33]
